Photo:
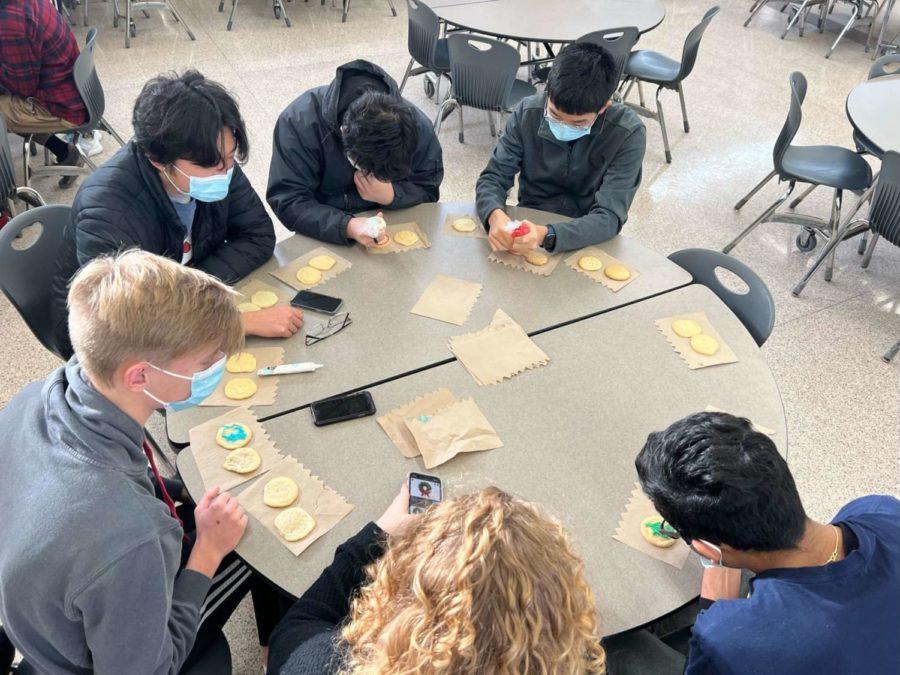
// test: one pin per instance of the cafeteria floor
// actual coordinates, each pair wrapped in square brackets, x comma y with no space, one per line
[841,400]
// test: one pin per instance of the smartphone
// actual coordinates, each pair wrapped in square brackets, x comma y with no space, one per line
[341,408]
[316,302]
[424,490]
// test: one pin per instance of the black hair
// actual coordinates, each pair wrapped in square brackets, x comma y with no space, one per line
[582,79]
[712,477]
[182,117]
[380,135]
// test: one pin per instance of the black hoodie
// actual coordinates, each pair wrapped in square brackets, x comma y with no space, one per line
[311,185]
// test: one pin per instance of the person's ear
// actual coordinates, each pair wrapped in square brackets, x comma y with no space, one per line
[707,550]
[606,106]
[134,377]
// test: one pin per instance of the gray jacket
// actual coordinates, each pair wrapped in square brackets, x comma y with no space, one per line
[89,559]
[592,180]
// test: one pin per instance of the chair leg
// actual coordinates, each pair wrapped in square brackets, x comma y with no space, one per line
[640,93]
[112,132]
[759,186]
[439,120]
[891,353]
[491,123]
[762,217]
[794,18]
[870,249]
[662,125]
[406,74]
[687,125]
[26,154]
[391,4]
[847,27]
[346,11]
[836,203]
[754,11]
[234,4]
[803,195]
[127,24]
[462,138]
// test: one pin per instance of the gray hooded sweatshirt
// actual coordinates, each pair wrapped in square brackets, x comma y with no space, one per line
[89,557]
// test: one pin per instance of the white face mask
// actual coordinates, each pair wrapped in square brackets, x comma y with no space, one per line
[706,562]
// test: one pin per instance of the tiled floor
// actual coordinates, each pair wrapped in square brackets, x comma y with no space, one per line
[842,402]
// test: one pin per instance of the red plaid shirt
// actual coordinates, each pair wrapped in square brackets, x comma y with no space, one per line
[37,54]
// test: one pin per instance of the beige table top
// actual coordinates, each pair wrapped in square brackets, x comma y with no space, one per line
[571,431]
[385,340]
[873,108]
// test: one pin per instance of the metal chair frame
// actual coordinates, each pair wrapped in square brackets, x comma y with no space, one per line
[9,189]
[277,7]
[143,6]
[345,8]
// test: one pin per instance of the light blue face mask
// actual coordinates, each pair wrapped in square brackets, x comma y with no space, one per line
[566,132]
[206,188]
[203,384]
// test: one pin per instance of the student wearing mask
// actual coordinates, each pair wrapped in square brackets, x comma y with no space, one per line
[177,190]
[575,152]
[351,146]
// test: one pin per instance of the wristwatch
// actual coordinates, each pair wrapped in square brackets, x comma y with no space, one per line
[550,239]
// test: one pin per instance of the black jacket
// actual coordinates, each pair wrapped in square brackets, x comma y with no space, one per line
[311,187]
[123,205]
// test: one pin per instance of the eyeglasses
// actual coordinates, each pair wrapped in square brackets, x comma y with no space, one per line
[335,324]
[577,125]
[667,531]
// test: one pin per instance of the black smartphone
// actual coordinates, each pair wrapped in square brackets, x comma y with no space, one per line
[317,302]
[424,490]
[341,408]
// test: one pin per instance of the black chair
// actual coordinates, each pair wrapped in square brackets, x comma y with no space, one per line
[278,9]
[483,73]
[9,191]
[755,308]
[884,214]
[829,165]
[88,85]
[655,68]
[426,47]
[618,42]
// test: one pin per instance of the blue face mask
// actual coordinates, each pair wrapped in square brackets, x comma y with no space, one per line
[564,132]
[206,188]
[203,384]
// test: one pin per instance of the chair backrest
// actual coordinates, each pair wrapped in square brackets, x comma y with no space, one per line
[87,82]
[424,32]
[617,41]
[792,123]
[884,214]
[692,44]
[7,172]
[482,70]
[886,65]
[26,275]
[755,309]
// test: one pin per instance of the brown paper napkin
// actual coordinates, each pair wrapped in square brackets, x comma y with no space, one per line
[394,424]
[478,233]
[448,299]
[460,428]
[267,387]
[756,427]
[599,276]
[210,456]
[288,273]
[394,247]
[629,531]
[321,502]
[519,262]
[251,286]
[683,345]
[498,351]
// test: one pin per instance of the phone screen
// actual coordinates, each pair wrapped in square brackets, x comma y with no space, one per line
[343,408]
[424,490]
[317,302]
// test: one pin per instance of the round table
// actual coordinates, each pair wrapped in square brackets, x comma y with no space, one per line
[873,108]
[548,22]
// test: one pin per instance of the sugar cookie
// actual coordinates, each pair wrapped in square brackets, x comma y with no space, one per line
[309,276]
[322,262]
[704,344]
[280,492]
[617,272]
[242,362]
[686,328]
[294,523]
[263,299]
[240,388]
[406,237]
[650,530]
[234,435]
[248,307]
[537,258]
[590,263]
[242,460]
[464,225]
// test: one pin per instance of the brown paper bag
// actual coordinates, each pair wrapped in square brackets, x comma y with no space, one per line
[448,299]
[629,531]
[394,424]
[267,387]
[498,351]
[393,247]
[518,262]
[210,456]
[598,275]
[756,427]
[321,502]
[288,273]
[251,286]
[460,428]
[683,345]
[478,233]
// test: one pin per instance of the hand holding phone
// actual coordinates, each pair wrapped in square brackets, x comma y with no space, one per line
[397,514]
[424,491]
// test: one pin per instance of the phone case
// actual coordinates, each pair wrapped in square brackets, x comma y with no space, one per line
[365,413]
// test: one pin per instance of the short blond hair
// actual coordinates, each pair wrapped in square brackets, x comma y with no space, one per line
[485,584]
[140,305]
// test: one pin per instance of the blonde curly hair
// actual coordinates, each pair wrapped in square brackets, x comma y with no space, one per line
[484,584]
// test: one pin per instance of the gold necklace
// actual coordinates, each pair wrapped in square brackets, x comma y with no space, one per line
[837,542]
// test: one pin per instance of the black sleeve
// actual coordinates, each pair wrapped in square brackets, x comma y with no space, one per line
[424,183]
[327,602]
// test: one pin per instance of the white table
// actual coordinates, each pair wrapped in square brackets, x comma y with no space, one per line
[873,109]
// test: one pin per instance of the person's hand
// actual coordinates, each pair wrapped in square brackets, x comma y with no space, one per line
[356,231]
[498,238]
[282,321]
[373,190]
[530,241]
[397,514]
[221,522]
